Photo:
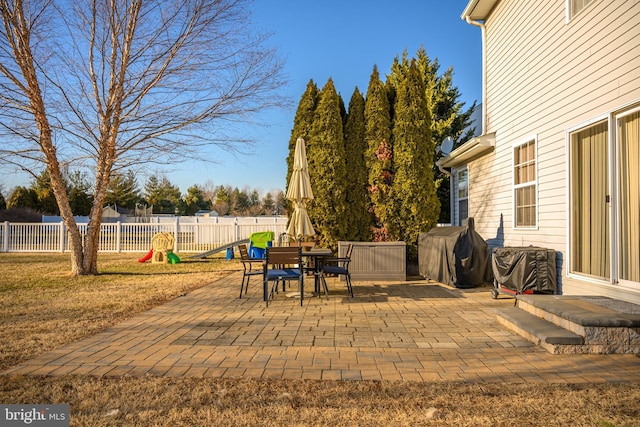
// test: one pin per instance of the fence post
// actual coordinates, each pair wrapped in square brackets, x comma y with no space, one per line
[236,231]
[61,236]
[196,233]
[176,228]
[118,236]
[5,237]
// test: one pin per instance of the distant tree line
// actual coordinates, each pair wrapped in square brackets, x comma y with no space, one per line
[158,191]
[372,166]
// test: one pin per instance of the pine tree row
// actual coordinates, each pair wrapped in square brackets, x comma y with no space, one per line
[372,167]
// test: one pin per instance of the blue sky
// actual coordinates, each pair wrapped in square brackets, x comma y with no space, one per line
[342,40]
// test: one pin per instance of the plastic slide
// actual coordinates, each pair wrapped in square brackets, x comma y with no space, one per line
[173,258]
[147,257]
[220,249]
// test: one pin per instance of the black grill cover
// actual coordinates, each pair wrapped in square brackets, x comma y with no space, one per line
[455,256]
[523,269]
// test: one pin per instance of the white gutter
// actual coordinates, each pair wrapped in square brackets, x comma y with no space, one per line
[470,21]
[484,70]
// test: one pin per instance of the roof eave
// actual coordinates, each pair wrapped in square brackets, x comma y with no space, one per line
[472,149]
[478,10]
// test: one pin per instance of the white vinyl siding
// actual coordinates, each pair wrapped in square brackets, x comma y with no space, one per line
[545,77]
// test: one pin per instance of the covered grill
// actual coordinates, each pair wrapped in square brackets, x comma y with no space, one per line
[524,270]
[455,256]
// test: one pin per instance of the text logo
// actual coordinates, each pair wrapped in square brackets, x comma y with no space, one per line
[35,415]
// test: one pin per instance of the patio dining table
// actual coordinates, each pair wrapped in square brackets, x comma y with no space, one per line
[317,256]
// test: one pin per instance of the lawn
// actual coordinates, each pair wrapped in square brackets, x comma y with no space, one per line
[43,307]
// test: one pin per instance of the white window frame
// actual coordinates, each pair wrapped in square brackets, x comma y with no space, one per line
[532,139]
[464,170]
[615,244]
[570,13]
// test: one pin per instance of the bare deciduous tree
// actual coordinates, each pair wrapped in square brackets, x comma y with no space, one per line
[107,84]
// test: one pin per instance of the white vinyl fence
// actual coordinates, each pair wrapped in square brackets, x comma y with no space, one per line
[136,237]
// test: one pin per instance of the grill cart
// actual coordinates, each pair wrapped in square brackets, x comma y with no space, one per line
[523,270]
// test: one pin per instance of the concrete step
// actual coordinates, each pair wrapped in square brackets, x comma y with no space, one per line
[551,337]
[609,326]
[573,312]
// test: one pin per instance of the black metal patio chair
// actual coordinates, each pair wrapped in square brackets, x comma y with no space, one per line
[338,267]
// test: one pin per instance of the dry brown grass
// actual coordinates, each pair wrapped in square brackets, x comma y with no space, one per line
[245,402]
[42,307]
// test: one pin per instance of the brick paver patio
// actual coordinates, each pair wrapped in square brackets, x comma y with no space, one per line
[414,331]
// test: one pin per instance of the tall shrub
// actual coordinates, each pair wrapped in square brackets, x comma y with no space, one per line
[416,204]
[378,155]
[359,220]
[327,169]
[448,119]
[303,121]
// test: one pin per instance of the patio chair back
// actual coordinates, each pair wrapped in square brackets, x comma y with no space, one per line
[339,267]
[282,263]
[251,267]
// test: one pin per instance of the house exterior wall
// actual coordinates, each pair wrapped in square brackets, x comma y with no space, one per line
[545,76]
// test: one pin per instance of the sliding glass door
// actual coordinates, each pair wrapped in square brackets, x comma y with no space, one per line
[589,202]
[628,135]
[604,214]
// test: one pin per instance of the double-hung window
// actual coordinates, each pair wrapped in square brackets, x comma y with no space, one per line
[463,196]
[574,7]
[525,185]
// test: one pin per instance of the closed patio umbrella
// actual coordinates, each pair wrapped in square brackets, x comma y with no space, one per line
[299,191]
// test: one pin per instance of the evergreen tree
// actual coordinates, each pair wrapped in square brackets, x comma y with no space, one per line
[162,195]
[448,117]
[222,194]
[194,200]
[254,198]
[44,192]
[327,169]
[80,197]
[357,207]
[23,197]
[3,203]
[268,204]
[123,191]
[280,208]
[221,203]
[234,202]
[378,155]
[414,196]
[152,190]
[303,121]
[253,201]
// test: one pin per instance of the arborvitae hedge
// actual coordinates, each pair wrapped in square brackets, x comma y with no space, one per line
[327,170]
[377,115]
[303,121]
[359,219]
[416,204]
